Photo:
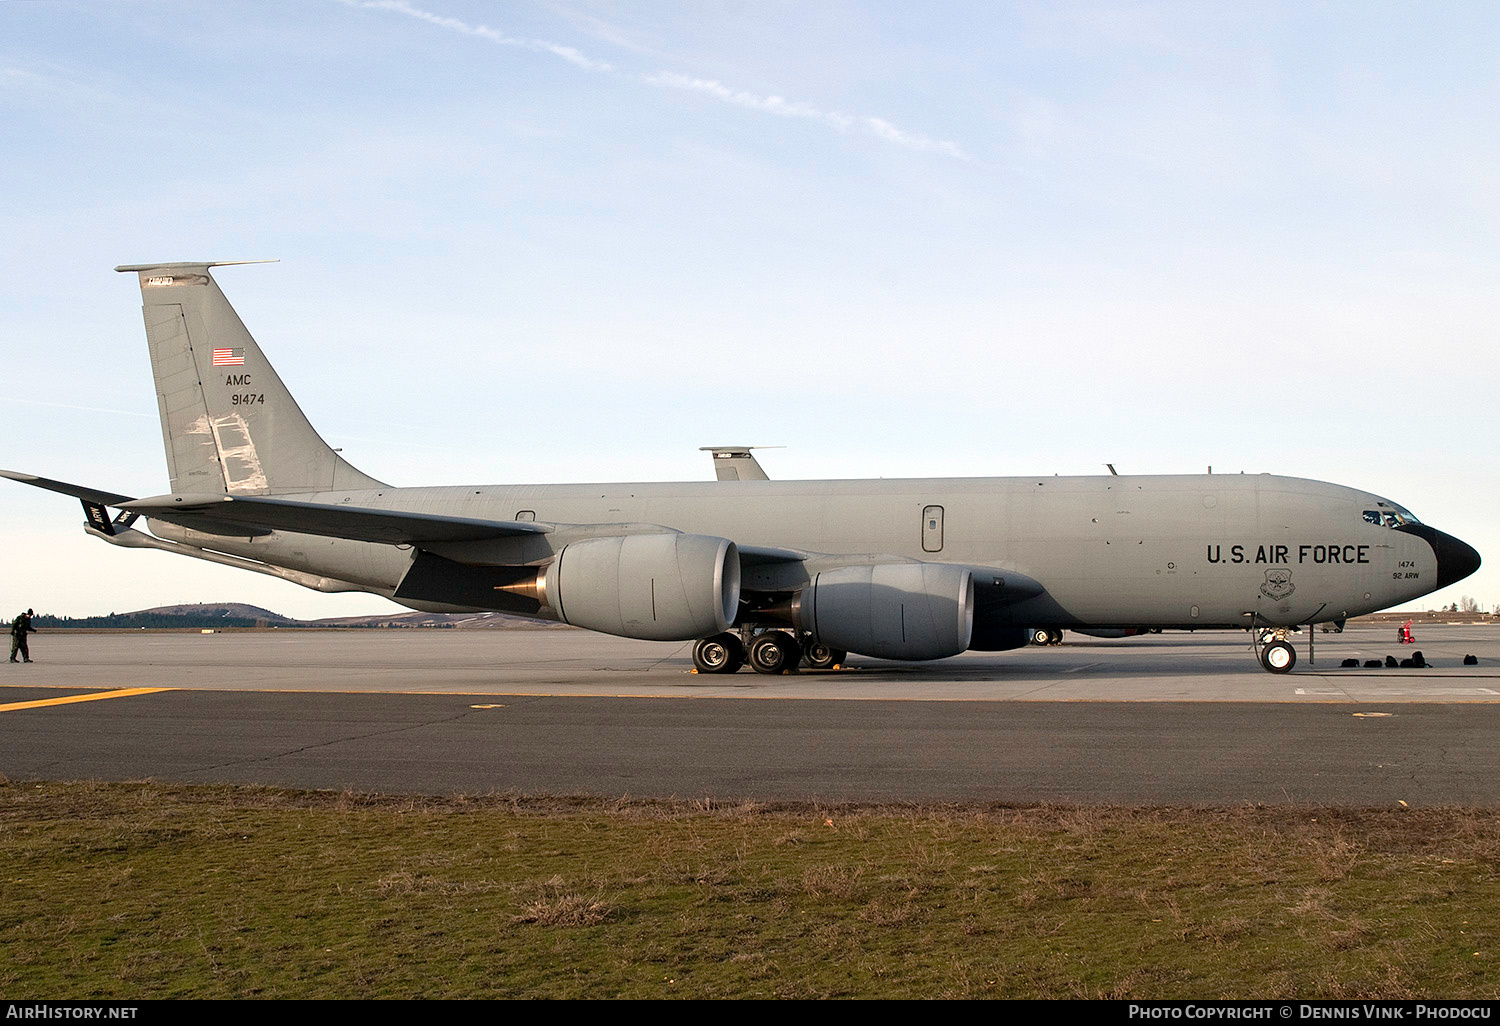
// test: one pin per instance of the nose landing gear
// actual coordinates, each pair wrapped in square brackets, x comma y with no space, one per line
[1278,657]
[1275,652]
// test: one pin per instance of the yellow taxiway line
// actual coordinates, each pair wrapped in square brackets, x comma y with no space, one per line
[96,696]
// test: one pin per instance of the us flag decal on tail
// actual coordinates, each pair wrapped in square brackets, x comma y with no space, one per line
[229,357]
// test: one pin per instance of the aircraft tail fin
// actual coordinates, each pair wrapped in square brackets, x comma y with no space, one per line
[228,422]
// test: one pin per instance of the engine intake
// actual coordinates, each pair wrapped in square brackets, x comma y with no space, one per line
[658,587]
[892,610]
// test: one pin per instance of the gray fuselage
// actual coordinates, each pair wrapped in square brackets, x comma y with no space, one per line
[1180,551]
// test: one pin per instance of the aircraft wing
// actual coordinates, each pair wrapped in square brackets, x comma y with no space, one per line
[251,515]
[213,512]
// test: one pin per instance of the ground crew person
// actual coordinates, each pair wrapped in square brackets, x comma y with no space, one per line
[19,628]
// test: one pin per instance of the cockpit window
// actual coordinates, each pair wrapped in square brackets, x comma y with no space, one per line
[1389,516]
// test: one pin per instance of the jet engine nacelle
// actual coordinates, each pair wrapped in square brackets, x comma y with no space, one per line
[658,587]
[892,610]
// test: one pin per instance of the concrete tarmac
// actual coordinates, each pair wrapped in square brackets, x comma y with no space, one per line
[1208,666]
[1161,719]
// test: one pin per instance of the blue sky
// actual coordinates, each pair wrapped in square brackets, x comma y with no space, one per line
[575,241]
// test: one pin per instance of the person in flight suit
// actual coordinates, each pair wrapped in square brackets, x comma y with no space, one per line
[19,628]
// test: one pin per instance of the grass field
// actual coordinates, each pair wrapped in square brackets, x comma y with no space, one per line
[134,891]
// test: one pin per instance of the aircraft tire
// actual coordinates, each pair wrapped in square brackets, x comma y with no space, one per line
[819,656]
[1278,657]
[773,652]
[722,653]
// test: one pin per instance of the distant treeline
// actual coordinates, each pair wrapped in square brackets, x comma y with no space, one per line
[155,621]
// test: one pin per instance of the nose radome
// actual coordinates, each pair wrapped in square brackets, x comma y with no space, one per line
[1455,559]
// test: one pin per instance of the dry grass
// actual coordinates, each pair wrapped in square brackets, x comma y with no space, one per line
[140,890]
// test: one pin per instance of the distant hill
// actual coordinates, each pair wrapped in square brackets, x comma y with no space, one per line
[238,615]
[228,614]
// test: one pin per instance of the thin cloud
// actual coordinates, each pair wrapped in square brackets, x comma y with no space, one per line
[567,53]
[875,127]
[740,98]
[85,409]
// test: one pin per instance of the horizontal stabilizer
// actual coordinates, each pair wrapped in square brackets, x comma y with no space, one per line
[330,521]
[190,265]
[93,495]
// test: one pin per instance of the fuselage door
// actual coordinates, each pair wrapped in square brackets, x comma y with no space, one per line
[932,529]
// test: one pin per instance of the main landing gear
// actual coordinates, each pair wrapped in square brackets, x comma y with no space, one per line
[722,653]
[771,652]
[820,657]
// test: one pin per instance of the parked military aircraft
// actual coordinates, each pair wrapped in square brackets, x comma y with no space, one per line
[769,572]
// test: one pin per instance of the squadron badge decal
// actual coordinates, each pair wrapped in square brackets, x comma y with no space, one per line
[1278,585]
